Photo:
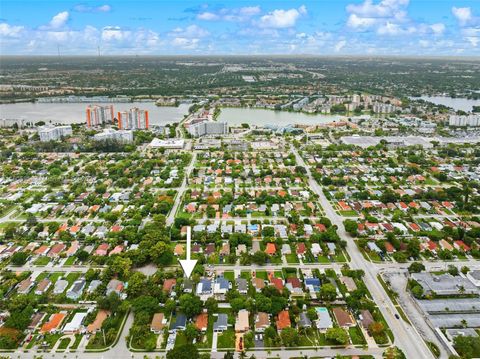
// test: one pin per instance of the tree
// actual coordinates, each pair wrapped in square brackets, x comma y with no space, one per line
[337,335]
[376,328]
[237,304]
[259,257]
[121,266]
[82,255]
[161,253]
[145,303]
[312,314]
[185,351]
[190,305]
[19,258]
[191,332]
[453,270]
[328,292]
[211,305]
[289,337]
[417,291]
[351,226]
[467,347]
[110,303]
[136,285]
[416,267]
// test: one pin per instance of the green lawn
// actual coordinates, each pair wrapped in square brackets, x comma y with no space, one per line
[356,336]
[72,277]
[292,258]
[181,339]
[262,274]
[351,213]
[226,339]
[78,339]
[229,275]
[41,261]
[70,261]
[51,339]
[64,343]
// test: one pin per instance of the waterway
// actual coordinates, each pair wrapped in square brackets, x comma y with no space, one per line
[68,113]
[463,104]
[261,117]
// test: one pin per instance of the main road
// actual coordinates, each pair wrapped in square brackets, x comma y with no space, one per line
[181,190]
[406,336]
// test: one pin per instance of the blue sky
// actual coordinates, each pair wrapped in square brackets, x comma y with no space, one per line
[320,27]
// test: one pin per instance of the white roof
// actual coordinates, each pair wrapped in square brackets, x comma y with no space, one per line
[75,323]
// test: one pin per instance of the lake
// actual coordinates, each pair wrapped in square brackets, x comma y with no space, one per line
[67,113]
[463,104]
[260,117]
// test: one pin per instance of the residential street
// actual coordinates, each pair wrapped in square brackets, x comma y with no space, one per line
[405,335]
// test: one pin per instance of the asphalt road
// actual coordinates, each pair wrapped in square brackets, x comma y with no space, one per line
[406,336]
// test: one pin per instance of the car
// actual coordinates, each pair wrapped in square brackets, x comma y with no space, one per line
[397,316]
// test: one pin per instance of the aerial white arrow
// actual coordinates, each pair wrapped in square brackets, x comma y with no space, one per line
[188,264]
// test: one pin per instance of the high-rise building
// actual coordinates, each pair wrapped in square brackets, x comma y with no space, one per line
[207,128]
[99,115]
[50,133]
[111,134]
[133,119]
[464,121]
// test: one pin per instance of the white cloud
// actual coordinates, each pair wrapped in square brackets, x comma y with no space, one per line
[92,9]
[185,43]
[388,18]
[208,16]
[463,14]
[472,35]
[235,15]
[58,21]
[192,31]
[250,10]
[357,22]
[188,38]
[438,28]
[10,31]
[339,45]
[384,9]
[368,14]
[282,18]
[114,33]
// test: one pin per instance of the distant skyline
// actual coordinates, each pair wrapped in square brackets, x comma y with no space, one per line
[336,27]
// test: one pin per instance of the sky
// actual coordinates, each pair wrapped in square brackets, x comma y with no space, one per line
[319,27]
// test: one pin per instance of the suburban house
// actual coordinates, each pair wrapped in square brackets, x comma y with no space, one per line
[158,323]
[221,323]
[242,323]
[343,318]
[262,321]
[283,320]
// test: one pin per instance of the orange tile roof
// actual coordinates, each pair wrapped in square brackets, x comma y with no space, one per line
[53,323]
[283,320]
[270,249]
[201,322]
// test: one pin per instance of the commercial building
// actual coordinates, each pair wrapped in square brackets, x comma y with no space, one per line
[445,284]
[54,133]
[169,144]
[133,119]
[99,115]
[109,134]
[464,121]
[208,128]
